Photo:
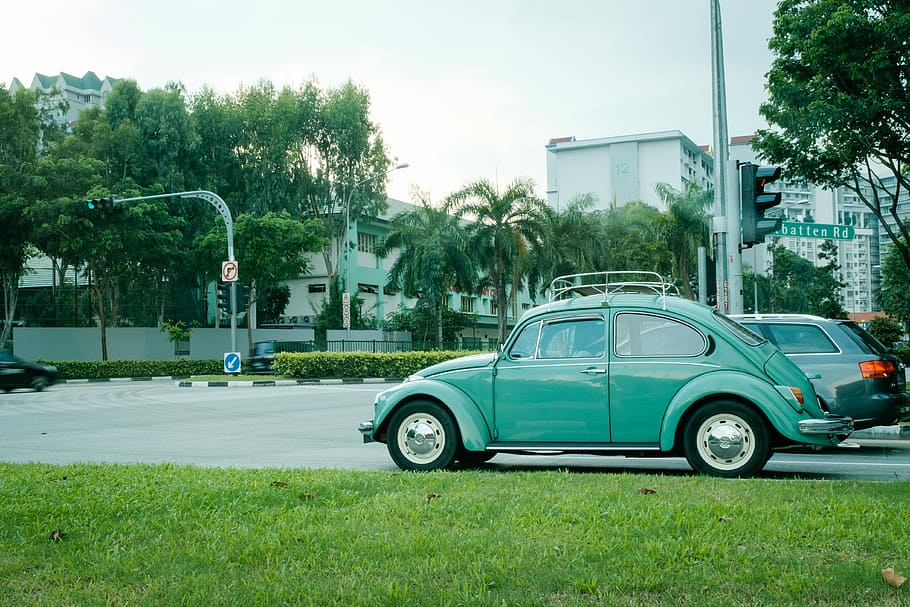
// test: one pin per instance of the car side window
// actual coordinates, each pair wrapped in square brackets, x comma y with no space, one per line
[652,335]
[572,338]
[525,345]
[801,339]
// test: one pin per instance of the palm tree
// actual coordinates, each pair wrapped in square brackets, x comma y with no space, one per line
[571,245]
[434,256]
[506,228]
[687,227]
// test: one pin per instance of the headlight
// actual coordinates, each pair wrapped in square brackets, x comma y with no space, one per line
[413,377]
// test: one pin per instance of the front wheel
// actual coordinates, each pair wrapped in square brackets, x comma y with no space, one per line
[39,383]
[726,439]
[422,436]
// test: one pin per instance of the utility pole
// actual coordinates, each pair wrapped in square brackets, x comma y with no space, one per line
[725,226]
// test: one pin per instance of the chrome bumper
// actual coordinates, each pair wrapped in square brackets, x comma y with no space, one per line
[830,425]
[366,429]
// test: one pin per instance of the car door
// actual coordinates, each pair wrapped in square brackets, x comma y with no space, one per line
[550,387]
[652,357]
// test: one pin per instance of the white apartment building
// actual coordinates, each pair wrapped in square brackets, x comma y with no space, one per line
[79,93]
[618,170]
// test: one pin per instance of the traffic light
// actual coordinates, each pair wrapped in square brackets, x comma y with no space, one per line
[96,204]
[754,201]
[224,296]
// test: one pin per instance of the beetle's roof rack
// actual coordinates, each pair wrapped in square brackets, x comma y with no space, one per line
[607,283]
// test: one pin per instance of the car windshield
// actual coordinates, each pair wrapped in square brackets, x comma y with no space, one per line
[746,335]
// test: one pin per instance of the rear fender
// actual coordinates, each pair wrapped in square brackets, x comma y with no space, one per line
[777,405]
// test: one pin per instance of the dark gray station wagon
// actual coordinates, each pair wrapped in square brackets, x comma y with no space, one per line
[854,374]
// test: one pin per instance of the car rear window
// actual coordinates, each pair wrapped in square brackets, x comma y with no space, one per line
[800,339]
[863,338]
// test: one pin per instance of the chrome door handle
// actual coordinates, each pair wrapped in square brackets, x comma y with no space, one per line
[594,371]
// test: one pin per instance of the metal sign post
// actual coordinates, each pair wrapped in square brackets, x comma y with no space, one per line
[225,212]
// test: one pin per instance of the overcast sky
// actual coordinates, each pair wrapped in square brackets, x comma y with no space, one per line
[462,90]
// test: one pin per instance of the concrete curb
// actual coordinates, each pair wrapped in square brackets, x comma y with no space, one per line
[288,382]
[99,380]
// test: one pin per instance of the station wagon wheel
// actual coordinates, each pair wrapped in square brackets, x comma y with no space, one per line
[422,436]
[726,439]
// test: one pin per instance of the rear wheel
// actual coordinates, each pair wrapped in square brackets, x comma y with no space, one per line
[726,439]
[422,436]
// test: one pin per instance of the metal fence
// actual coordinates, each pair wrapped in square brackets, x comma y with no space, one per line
[384,346]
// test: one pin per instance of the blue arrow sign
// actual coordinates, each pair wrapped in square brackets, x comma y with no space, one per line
[232,362]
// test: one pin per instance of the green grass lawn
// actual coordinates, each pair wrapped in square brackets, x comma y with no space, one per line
[171,535]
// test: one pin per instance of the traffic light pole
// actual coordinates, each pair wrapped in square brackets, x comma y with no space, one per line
[225,212]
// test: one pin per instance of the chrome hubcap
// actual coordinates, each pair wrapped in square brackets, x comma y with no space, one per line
[725,441]
[421,438]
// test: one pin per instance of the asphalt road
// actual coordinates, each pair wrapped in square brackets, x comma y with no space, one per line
[294,426]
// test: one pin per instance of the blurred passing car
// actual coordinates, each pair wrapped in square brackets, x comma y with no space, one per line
[262,358]
[17,373]
[854,374]
[614,364]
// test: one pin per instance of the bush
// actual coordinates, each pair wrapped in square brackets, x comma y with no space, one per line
[102,369]
[314,365]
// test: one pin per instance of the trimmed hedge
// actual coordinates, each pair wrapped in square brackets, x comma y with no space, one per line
[316,365]
[102,369]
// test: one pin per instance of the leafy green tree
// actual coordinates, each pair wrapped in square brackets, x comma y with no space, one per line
[632,234]
[269,250]
[20,130]
[790,274]
[886,330]
[426,325]
[571,243]
[505,228]
[434,257]
[687,227]
[895,287]
[824,292]
[837,106]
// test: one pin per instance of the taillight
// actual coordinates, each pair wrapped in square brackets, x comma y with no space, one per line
[798,395]
[877,369]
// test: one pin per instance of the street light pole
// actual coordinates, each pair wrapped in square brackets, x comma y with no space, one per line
[346,301]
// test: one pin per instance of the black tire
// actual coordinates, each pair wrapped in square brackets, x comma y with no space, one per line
[422,436]
[474,458]
[727,439]
[39,383]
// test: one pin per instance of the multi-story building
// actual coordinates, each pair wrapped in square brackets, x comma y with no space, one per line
[618,170]
[78,93]
[369,277]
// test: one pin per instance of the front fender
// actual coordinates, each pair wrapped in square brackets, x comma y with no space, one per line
[777,404]
[473,427]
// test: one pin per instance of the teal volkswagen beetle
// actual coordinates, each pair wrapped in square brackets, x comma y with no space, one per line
[613,364]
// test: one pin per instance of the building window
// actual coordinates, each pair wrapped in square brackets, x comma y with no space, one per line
[86,98]
[467,304]
[366,243]
[362,288]
[316,287]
